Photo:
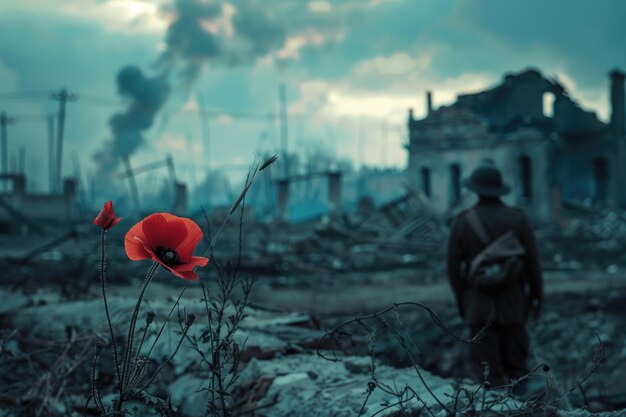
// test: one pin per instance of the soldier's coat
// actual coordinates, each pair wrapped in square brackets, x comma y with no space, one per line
[512,305]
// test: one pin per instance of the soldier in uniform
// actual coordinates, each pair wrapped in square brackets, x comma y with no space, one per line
[505,346]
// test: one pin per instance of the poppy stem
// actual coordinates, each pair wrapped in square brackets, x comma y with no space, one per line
[94,384]
[167,319]
[143,339]
[106,304]
[156,339]
[131,331]
[180,342]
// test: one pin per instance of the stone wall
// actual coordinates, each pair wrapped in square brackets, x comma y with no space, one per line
[533,192]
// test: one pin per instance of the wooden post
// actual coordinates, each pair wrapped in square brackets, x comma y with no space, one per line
[131,182]
[5,120]
[62,97]
[51,170]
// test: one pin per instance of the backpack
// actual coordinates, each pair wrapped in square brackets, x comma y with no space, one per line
[499,264]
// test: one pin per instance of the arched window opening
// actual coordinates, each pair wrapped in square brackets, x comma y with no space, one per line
[600,180]
[525,177]
[455,183]
[425,181]
[548,104]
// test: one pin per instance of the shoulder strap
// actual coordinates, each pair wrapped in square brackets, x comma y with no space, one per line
[477,227]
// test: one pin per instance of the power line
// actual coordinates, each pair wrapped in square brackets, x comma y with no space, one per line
[282,93]
[214,112]
[23,95]
[240,114]
[30,117]
[205,111]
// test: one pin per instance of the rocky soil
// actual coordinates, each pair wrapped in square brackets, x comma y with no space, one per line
[47,345]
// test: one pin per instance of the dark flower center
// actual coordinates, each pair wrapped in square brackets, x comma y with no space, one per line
[169,256]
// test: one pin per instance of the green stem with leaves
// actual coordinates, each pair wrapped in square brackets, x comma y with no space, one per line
[106,305]
[127,365]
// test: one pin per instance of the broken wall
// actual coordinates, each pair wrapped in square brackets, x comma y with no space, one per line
[523,158]
[19,208]
[521,97]
[585,167]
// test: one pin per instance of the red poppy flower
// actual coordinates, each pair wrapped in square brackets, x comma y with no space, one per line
[106,218]
[169,240]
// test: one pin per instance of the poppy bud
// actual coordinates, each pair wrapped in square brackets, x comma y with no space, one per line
[106,219]
[268,162]
[150,317]
[371,385]
[190,319]
[99,347]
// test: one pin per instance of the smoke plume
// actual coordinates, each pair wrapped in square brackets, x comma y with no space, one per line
[147,96]
[201,32]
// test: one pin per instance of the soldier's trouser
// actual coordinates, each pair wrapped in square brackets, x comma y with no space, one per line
[505,348]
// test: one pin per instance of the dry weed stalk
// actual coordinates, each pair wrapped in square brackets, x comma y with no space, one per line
[483,400]
[41,386]
[133,376]
[225,306]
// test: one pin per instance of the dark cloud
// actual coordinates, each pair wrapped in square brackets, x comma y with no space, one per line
[50,48]
[585,37]
[257,34]
[192,44]
[194,40]
[186,39]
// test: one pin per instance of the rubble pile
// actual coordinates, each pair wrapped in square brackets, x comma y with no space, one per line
[49,342]
[587,238]
[281,373]
[571,328]
[402,233]
[567,337]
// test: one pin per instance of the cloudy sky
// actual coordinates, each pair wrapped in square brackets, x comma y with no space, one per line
[142,69]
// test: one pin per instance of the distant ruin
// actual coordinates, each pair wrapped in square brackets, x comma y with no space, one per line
[550,150]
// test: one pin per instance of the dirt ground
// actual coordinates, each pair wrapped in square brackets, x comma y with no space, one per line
[580,306]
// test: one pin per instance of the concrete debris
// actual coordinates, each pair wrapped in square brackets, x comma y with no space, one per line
[587,238]
[401,233]
[282,375]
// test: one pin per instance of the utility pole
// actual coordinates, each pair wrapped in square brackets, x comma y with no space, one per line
[21,162]
[5,120]
[384,150]
[283,126]
[62,96]
[170,167]
[206,133]
[193,159]
[80,182]
[51,170]
[361,183]
[299,133]
[361,148]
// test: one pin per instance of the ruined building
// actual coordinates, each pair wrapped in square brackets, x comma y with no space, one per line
[25,212]
[548,148]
